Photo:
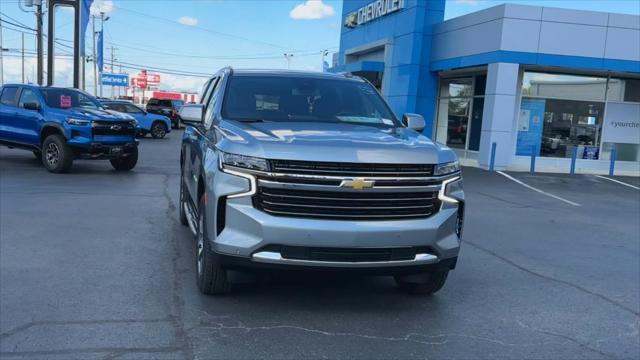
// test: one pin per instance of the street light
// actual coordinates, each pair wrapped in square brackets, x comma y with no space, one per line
[288,56]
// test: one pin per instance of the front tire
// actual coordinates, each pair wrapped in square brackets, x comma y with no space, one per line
[57,156]
[211,277]
[425,284]
[126,163]
[158,130]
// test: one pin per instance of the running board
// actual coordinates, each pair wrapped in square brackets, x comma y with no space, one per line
[191,218]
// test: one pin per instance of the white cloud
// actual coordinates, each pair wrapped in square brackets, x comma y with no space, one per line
[102,6]
[312,10]
[188,21]
[181,83]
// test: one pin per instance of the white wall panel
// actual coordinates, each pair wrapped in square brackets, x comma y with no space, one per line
[520,35]
[623,44]
[575,16]
[572,40]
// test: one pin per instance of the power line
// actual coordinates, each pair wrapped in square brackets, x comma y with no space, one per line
[147,16]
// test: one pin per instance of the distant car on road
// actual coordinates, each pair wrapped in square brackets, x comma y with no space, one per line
[302,170]
[166,107]
[156,125]
[60,125]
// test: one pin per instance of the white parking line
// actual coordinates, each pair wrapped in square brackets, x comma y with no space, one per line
[537,190]
[619,182]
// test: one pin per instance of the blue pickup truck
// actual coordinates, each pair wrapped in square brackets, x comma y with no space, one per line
[60,125]
[156,125]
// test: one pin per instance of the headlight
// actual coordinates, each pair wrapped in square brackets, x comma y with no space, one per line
[451,189]
[242,161]
[79,122]
[447,168]
[134,123]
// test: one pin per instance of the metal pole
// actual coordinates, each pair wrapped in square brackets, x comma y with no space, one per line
[532,170]
[112,71]
[23,58]
[101,34]
[492,161]
[574,155]
[39,43]
[95,63]
[612,165]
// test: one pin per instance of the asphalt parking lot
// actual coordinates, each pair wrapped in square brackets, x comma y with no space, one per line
[95,265]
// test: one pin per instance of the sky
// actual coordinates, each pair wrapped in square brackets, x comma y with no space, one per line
[200,36]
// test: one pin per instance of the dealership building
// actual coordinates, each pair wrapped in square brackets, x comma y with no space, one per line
[550,82]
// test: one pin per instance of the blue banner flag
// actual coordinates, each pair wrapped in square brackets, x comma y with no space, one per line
[85,14]
[99,57]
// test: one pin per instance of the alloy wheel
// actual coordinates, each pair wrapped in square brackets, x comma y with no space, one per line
[52,154]
[158,131]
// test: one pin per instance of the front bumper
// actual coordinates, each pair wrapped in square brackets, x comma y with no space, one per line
[250,237]
[102,151]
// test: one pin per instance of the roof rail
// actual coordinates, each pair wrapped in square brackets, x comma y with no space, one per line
[229,69]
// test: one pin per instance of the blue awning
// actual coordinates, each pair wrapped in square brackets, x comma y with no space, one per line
[373,66]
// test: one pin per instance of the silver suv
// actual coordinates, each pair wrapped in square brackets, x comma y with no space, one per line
[301,170]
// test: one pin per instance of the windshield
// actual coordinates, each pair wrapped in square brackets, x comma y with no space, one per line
[267,98]
[69,98]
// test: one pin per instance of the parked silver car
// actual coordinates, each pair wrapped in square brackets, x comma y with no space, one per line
[301,170]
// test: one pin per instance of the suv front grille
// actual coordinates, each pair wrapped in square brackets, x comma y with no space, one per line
[350,169]
[113,128]
[361,205]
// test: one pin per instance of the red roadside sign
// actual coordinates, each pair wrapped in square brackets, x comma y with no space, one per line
[142,82]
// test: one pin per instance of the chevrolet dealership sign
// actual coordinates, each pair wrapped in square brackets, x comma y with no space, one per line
[374,10]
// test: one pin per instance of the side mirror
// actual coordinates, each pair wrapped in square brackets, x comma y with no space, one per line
[31,106]
[192,114]
[413,121]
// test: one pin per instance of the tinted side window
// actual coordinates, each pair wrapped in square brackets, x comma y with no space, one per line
[116,107]
[131,108]
[9,95]
[165,103]
[28,96]
[153,102]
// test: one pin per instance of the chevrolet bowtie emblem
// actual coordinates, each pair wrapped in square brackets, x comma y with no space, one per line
[357,183]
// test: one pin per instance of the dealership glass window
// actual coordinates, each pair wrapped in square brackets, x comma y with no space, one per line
[563,86]
[559,112]
[624,90]
[460,108]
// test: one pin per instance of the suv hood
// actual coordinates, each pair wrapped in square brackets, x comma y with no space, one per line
[93,114]
[330,142]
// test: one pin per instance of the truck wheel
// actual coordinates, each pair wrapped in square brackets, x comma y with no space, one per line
[426,284]
[158,130]
[211,277]
[57,156]
[126,163]
[183,201]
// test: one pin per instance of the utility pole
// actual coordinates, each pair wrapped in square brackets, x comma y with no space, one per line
[39,41]
[95,63]
[288,56]
[113,49]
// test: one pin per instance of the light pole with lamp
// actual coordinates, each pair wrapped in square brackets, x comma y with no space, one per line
[288,56]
